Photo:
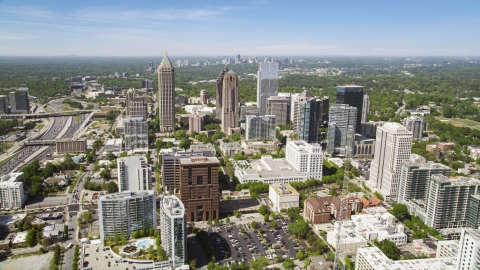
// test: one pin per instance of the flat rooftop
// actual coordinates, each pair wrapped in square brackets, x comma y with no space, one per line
[268,167]
[284,189]
[173,206]
[126,195]
[198,160]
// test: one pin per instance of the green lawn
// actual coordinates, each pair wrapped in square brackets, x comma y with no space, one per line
[460,122]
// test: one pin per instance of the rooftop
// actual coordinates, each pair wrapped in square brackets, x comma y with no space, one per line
[114,142]
[284,189]
[173,206]
[125,195]
[198,160]
[5,220]
[268,167]
[19,238]
[458,181]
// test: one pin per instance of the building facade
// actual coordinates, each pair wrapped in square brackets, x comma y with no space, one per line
[4,105]
[126,212]
[353,96]
[174,229]
[67,146]
[283,196]
[280,107]
[219,89]
[416,124]
[229,102]
[204,97]
[247,110]
[306,157]
[366,108]
[12,194]
[136,133]
[196,123]
[341,130]
[259,128]
[267,84]
[393,145]
[19,103]
[133,174]
[309,120]
[473,212]
[196,184]
[136,106]
[469,250]
[166,95]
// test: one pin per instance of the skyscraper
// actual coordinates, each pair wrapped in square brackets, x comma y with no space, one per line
[174,236]
[204,97]
[307,116]
[393,145]
[218,98]
[415,124]
[136,133]
[366,108]
[133,174]
[469,250]
[280,107]
[260,127]
[306,157]
[229,102]
[19,103]
[267,84]
[166,95]
[3,104]
[341,129]
[353,96]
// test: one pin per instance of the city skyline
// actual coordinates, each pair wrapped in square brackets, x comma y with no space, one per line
[314,28]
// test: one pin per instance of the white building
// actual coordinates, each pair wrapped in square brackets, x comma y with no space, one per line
[12,195]
[350,241]
[133,174]
[201,147]
[283,196]
[230,148]
[447,249]
[393,146]
[372,258]
[114,145]
[469,250]
[173,223]
[200,109]
[306,157]
[415,124]
[256,145]
[126,212]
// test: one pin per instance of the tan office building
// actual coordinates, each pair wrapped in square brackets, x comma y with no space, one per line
[68,146]
[166,95]
[230,110]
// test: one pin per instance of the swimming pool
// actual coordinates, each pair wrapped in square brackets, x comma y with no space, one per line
[144,243]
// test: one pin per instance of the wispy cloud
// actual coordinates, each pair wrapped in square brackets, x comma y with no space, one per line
[259,2]
[9,36]
[29,11]
[377,49]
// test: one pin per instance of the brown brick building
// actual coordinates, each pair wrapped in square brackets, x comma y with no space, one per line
[196,184]
[319,210]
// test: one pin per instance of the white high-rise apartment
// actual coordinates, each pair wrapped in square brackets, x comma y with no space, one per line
[133,174]
[267,84]
[173,222]
[415,124]
[393,146]
[126,212]
[366,108]
[12,195]
[469,250]
[305,157]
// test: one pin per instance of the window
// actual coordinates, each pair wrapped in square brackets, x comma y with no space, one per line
[189,176]
[199,180]
[209,175]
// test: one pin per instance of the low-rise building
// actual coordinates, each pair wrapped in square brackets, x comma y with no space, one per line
[61,179]
[201,147]
[196,123]
[114,145]
[379,226]
[230,148]
[9,223]
[19,240]
[269,146]
[320,209]
[447,249]
[68,146]
[283,196]
[350,240]
[363,147]
[446,146]
[53,231]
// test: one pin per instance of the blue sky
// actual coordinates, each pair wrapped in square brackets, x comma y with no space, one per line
[257,27]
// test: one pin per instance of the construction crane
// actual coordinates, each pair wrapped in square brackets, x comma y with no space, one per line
[340,215]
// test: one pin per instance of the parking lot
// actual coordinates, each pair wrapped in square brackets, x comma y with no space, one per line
[273,243]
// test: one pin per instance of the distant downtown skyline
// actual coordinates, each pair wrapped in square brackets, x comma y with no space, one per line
[255,27]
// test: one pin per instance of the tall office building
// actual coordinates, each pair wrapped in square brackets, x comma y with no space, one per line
[393,145]
[136,106]
[415,124]
[133,174]
[259,128]
[305,157]
[204,97]
[170,161]
[353,96]
[414,176]
[124,213]
[247,110]
[267,84]
[166,95]
[469,250]
[174,235]
[366,108]
[447,202]
[308,113]
[219,96]
[19,103]
[229,102]
[136,133]
[341,129]
[4,105]
[147,84]
[280,107]
[196,123]
[196,184]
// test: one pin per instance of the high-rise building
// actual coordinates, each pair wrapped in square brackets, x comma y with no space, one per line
[204,97]
[166,95]
[174,235]
[77,79]
[126,212]
[136,133]
[366,108]
[196,123]
[19,103]
[229,102]
[267,84]
[393,145]
[306,157]
[414,176]
[136,106]
[196,184]
[473,212]
[12,195]
[219,96]
[133,174]
[308,115]
[415,124]
[247,110]
[259,128]
[447,201]
[293,103]
[280,107]
[169,163]
[469,250]
[4,105]
[341,129]
[148,84]
[353,96]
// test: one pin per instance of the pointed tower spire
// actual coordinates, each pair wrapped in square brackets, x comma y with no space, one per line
[166,60]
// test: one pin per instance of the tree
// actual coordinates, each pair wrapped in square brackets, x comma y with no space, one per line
[300,255]
[123,239]
[400,211]
[111,187]
[227,220]
[263,210]
[288,264]
[299,228]
[105,173]
[236,213]
[273,224]
[185,144]
[259,263]
[262,150]
[348,263]
[87,216]
[378,195]
[30,238]
[254,224]
[215,221]
[151,252]
[266,218]
[330,256]
[209,221]
[388,248]
[115,239]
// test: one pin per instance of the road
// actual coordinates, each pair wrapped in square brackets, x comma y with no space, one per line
[199,255]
